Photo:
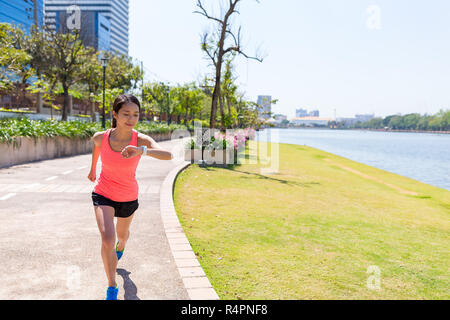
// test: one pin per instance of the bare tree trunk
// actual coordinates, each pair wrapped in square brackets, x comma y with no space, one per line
[215,97]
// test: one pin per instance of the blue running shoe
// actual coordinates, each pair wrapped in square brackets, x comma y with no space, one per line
[111,293]
[119,253]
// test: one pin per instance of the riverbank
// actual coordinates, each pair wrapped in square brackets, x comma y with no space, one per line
[392,130]
[383,130]
[316,229]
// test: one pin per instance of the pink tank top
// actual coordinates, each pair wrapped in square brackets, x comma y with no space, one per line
[117,179]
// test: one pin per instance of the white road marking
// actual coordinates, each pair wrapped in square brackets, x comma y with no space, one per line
[51,178]
[47,187]
[83,167]
[67,172]
[9,195]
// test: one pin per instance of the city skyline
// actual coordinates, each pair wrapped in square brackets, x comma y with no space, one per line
[367,57]
[386,61]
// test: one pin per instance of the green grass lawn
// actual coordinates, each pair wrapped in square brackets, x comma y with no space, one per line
[311,230]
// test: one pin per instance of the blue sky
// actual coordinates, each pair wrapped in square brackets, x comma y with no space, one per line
[355,56]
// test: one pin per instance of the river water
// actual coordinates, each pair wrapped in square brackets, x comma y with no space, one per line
[421,156]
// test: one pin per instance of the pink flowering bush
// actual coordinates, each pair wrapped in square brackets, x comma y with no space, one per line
[237,139]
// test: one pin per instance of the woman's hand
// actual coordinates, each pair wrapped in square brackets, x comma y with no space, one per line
[92,175]
[131,151]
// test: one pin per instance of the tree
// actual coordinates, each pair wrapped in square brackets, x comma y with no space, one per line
[35,47]
[122,73]
[159,94]
[67,56]
[410,121]
[445,116]
[395,122]
[46,87]
[93,75]
[387,119]
[14,60]
[423,122]
[228,92]
[216,47]
[189,100]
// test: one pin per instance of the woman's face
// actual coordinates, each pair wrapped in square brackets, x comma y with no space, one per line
[128,115]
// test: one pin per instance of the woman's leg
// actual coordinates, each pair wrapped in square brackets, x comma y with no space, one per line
[122,228]
[105,222]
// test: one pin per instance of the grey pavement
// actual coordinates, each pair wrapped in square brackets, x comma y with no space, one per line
[50,243]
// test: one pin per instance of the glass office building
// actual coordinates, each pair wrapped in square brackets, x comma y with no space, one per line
[115,11]
[95,28]
[23,13]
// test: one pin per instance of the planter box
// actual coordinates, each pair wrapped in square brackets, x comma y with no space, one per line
[43,148]
[219,157]
[192,155]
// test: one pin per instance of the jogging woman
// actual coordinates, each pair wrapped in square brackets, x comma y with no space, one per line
[116,193]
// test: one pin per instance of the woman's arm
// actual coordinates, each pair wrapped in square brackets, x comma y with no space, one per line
[95,155]
[160,154]
[153,149]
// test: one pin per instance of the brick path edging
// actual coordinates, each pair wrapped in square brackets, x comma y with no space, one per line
[194,278]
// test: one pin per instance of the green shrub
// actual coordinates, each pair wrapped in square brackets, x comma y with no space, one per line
[11,128]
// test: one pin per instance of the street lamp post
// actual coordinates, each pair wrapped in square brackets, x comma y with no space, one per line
[104,63]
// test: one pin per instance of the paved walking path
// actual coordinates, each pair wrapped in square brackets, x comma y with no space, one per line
[50,243]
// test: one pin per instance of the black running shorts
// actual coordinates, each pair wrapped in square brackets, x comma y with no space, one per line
[121,209]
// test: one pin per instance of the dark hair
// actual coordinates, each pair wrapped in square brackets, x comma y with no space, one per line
[120,101]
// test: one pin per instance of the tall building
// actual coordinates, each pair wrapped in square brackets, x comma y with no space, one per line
[22,13]
[265,102]
[95,28]
[301,113]
[314,113]
[116,11]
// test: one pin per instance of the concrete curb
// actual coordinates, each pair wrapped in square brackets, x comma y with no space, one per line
[194,278]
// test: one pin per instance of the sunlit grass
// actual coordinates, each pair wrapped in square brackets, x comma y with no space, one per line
[311,230]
